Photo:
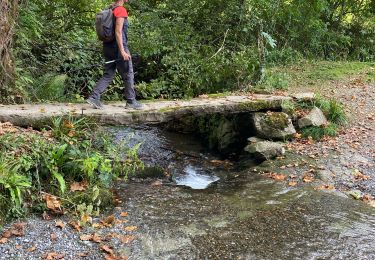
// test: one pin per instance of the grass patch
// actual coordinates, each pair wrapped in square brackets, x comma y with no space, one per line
[317,75]
[318,132]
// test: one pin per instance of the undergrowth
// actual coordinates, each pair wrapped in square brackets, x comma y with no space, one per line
[318,132]
[37,166]
[332,109]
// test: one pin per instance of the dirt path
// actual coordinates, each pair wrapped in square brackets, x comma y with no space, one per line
[350,157]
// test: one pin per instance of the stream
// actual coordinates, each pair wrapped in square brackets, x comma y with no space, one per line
[212,210]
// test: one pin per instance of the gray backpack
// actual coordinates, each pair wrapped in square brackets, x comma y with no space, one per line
[105,24]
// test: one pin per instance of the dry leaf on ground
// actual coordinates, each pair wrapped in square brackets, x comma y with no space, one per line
[52,202]
[31,249]
[131,228]
[124,214]
[86,237]
[60,224]
[75,225]
[126,239]
[96,238]
[78,186]
[308,179]
[108,221]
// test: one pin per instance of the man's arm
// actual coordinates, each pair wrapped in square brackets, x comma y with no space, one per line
[118,33]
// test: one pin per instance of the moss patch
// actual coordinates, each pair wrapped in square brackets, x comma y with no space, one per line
[277,120]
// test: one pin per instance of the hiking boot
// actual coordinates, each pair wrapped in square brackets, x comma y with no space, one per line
[134,105]
[95,102]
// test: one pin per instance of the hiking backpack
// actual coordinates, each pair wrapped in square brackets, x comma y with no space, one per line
[105,24]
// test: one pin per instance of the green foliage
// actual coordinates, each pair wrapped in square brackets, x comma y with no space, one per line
[318,132]
[333,109]
[273,81]
[50,161]
[185,48]
[13,182]
[288,107]
[50,87]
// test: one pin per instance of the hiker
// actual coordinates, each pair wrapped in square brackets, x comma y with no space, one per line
[117,49]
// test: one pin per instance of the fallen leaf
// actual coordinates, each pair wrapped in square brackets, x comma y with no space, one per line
[278,177]
[360,176]
[293,183]
[107,249]
[97,225]
[3,240]
[68,124]
[53,255]
[131,228]
[60,224]
[326,187]
[110,257]
[124,214]
[78,186]
[127,239]
[7,234]
[71,133]
[96,238]
[86,218]
[42,110]
[75,225]
[52,202]
[18,246]
[86,237]
[31,249]
[108,220]
[308,179]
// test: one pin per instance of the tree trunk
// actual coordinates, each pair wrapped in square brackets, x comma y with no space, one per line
[9,13]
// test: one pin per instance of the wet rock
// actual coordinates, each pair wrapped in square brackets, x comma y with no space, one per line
[314,118]
[265,150]
[273,125]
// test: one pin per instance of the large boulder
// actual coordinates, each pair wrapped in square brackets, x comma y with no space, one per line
[314,118]
[273,125]
[264,150]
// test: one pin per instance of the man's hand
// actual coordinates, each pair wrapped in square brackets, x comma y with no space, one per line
[125,55]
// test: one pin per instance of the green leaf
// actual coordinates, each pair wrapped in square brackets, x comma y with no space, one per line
[61,180]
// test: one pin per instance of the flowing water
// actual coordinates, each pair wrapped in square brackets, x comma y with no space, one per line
[219,212]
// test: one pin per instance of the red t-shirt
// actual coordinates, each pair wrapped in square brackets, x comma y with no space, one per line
[120,12]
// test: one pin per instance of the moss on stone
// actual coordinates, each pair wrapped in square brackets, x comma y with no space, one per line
[258,105]
[277,120]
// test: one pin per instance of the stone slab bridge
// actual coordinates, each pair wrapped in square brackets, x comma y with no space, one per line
[155,112]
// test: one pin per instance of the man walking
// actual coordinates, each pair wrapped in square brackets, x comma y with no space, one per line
[117,50]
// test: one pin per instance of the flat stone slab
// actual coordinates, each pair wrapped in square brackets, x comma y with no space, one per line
[155,112]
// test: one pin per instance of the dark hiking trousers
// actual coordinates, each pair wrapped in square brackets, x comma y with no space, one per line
[125,68]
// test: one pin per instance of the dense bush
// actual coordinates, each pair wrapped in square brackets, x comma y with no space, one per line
[185,47]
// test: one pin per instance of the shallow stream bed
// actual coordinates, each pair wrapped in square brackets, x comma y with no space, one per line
[239,216]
